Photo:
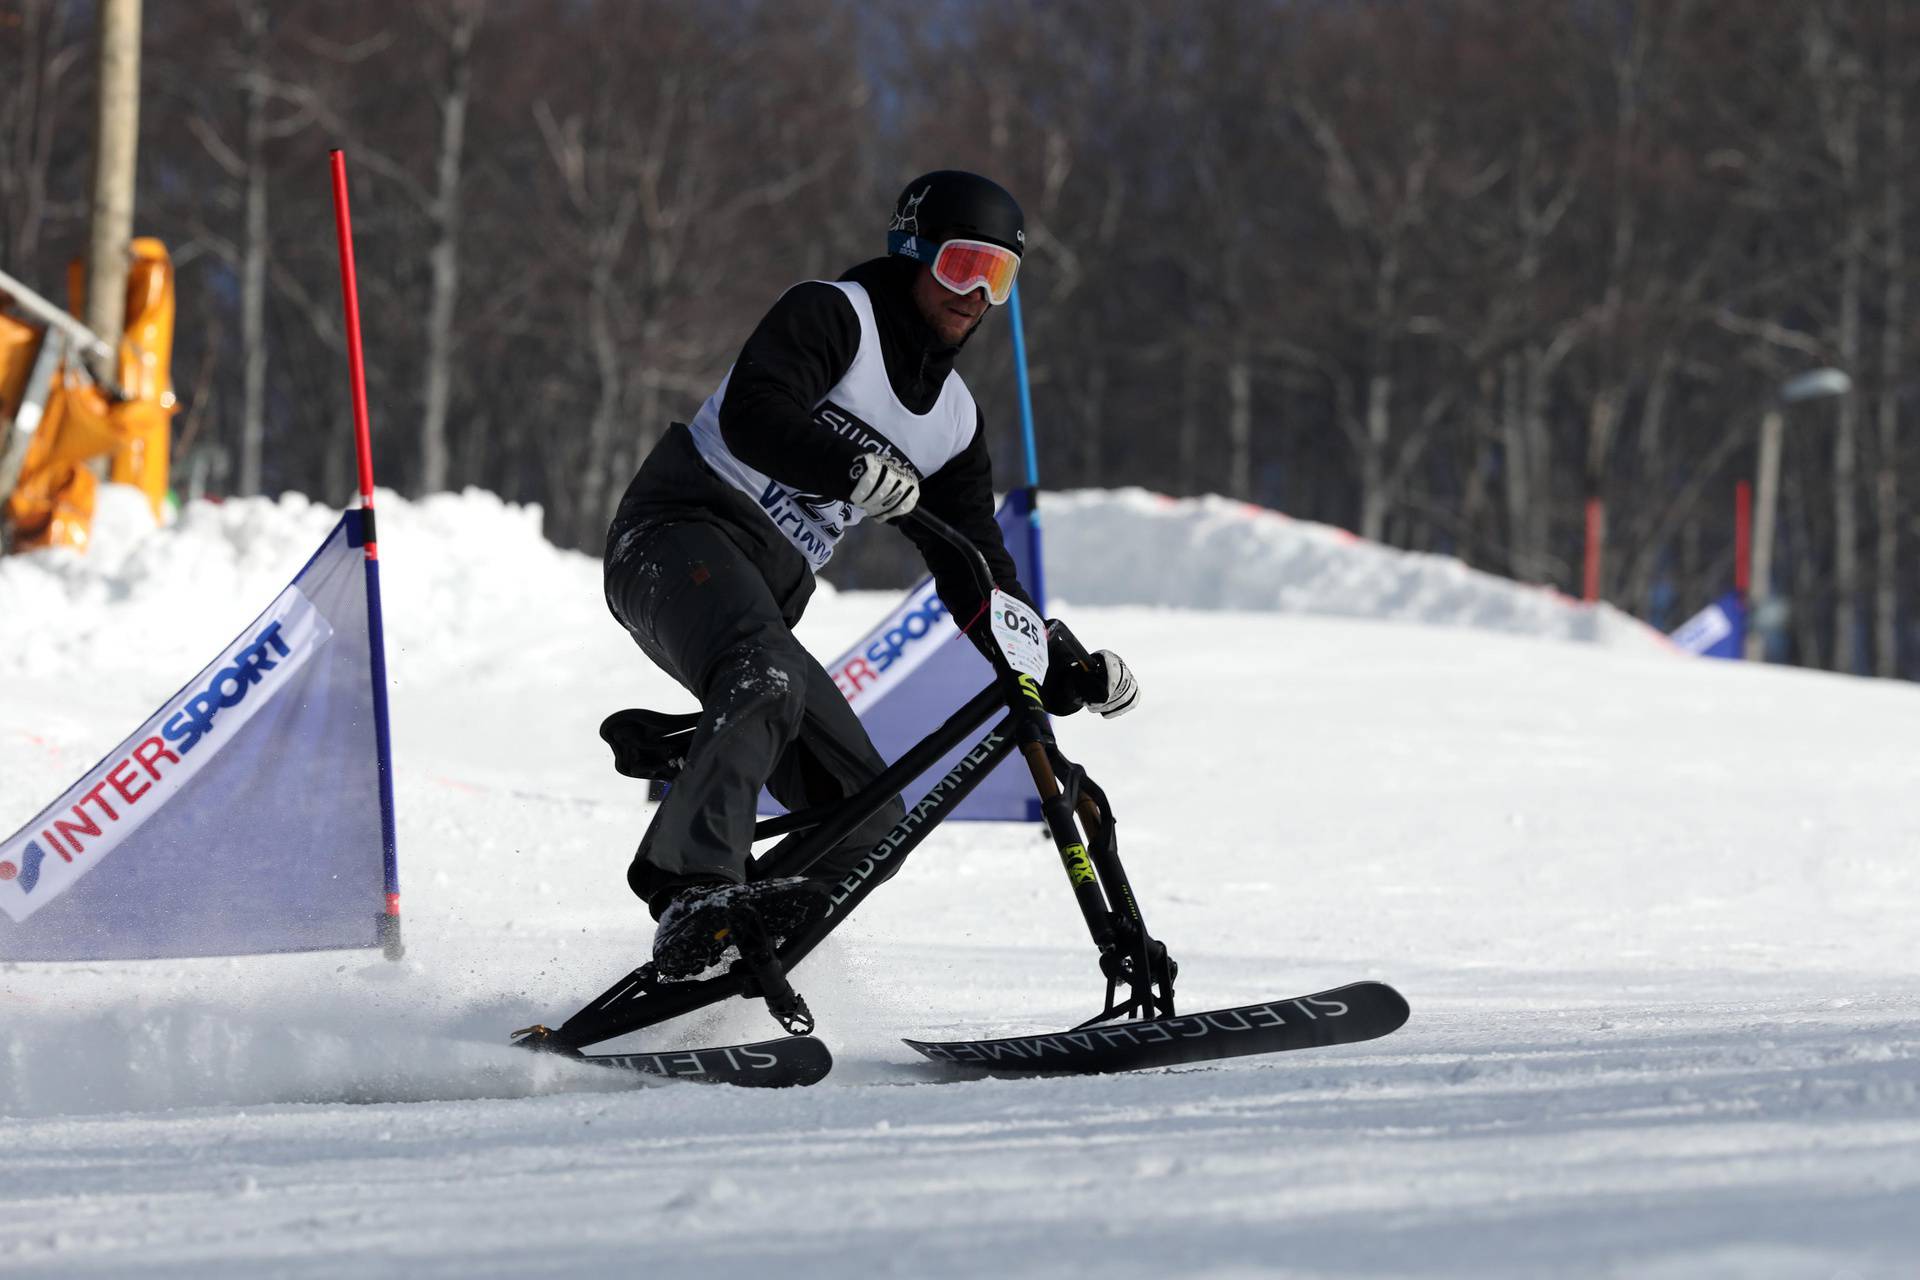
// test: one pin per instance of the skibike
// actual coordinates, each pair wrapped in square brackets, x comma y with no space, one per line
[1137,1025]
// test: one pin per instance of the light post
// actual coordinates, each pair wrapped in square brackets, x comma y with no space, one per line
[1816,384]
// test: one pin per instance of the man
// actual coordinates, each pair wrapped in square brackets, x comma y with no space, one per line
[843,404]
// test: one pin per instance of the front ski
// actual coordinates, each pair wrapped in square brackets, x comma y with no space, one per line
[1344,1015]
[785,1063]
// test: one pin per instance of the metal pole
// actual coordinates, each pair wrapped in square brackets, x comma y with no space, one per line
[38,308]
[1768,485]
[116,141]
[1814,384]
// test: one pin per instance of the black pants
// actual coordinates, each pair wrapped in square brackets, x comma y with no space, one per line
[770,715]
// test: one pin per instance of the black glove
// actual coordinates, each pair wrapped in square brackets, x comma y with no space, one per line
[1102,683]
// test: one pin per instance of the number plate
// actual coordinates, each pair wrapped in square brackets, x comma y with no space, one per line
[1021,635]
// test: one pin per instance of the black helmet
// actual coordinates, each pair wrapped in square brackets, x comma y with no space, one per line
[954,205]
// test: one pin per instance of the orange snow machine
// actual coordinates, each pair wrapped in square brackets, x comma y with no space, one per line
[60,423]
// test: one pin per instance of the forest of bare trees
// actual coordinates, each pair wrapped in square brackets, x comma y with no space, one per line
[1438,271]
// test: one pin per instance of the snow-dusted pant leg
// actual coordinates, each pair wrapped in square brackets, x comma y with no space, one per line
[770,714]
[833,757]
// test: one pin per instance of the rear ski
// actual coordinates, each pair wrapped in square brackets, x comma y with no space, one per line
[784,1063]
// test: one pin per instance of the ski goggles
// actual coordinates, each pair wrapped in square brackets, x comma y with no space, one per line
[966,265]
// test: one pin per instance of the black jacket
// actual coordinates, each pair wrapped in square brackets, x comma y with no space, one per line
[799,351]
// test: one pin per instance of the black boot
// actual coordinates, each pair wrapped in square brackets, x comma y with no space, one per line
[696,926]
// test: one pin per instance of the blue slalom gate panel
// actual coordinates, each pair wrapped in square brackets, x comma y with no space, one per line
[245,815]
[1717,631]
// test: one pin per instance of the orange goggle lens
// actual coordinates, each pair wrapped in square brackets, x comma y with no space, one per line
[966,265]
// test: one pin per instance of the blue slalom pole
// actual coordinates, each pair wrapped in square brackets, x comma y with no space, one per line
[376,632]
[1039,583]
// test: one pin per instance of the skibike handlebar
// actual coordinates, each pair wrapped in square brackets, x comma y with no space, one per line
[976,560]
[983,578]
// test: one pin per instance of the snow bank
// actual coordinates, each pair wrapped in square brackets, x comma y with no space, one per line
[1130,546]
[472,579]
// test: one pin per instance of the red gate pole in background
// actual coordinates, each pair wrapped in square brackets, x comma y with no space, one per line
[1596,535]
[1742,537]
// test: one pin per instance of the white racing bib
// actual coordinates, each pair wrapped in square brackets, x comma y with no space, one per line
[1020,633]
[861,409]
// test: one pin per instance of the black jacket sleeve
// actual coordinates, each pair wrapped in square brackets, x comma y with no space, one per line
[800,350]
[961,493]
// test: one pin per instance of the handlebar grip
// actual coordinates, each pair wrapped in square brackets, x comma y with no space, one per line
[982,575]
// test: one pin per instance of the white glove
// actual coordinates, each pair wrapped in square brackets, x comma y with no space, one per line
[883,488]
[1122,690]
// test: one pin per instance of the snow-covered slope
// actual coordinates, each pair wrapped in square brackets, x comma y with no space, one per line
[1653,915]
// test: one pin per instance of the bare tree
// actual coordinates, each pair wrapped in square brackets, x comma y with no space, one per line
[1895,83]
[443,208]
[1839,87]
[42,69]
[247,68]
[116,142]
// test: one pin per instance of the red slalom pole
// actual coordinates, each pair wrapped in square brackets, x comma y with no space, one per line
[376,629]
[1742,537]
[1596,537]
[356,359]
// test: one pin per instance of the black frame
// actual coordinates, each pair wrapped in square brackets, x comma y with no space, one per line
[1075,810]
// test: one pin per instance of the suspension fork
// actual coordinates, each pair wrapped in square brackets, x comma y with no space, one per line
[1057,811]
[1089,852]
[1081,824]
[1138,959]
